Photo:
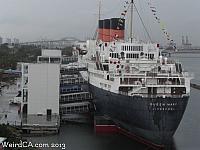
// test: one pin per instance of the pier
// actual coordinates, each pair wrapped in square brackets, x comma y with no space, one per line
[72,102]
[195,86]
[37,125]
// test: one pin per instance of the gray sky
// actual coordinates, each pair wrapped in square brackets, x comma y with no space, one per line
[53,19]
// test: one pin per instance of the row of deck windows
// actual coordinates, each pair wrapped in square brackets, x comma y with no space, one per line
[114,55]
[83,108]
[132,48]
[132,55]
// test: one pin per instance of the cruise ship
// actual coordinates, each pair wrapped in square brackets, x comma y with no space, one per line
[135,86]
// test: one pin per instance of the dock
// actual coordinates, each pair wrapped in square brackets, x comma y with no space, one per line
[195,86]
[75,98]
[38,125]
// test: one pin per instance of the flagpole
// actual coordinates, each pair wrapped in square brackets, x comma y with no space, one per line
[131,26]
[99,9]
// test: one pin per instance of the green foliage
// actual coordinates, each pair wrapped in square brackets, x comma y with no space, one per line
[10,56]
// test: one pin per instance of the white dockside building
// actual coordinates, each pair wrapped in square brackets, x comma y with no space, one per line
[43,89]
[40,87]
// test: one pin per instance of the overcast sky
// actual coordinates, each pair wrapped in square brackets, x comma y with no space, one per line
[31,20]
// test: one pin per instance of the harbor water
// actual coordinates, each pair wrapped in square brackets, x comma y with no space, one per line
[82,136]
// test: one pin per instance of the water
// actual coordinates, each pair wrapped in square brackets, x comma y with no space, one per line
[82,137]
[190,62]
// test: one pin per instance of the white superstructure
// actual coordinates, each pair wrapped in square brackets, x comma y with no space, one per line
[134,68]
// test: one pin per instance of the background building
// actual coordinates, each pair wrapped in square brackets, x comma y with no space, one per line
[16,41]
[1,40]
[186,43]
[9,41]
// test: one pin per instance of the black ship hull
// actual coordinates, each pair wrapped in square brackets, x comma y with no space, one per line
[152,118]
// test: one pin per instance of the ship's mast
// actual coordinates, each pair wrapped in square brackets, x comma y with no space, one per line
[99,18]
[131,26]
[99,9]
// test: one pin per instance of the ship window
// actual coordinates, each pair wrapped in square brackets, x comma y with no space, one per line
[126,55]
[105,67]
[108,77]
[151,56]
